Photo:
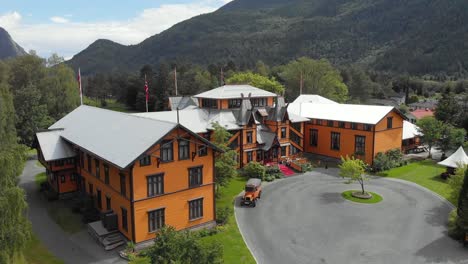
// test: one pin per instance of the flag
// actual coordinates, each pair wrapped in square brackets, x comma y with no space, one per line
[146,91]
[79,85]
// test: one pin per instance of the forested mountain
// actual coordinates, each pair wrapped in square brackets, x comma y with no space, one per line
[8,47]
[404,36]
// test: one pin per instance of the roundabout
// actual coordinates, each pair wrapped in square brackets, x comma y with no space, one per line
[305,219]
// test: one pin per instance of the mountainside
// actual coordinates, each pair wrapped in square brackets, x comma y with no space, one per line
[413,36]
[9,48]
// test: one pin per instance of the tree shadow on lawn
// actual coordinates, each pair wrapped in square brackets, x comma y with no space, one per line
[443,250]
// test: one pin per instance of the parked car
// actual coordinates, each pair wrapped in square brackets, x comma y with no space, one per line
[253,192]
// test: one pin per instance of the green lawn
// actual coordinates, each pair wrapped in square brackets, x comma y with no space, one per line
[37,253]
[235,250]
[111,104]
[375,197]
[425,173]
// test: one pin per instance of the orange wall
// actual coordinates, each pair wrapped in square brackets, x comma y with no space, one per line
[176,210]
[387,139]
[347,141]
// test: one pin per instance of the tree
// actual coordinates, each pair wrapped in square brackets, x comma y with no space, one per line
[54,59]
[359,84]
[448,109]
[15,229]
[262,69]
[353,169]
[225,164]
[462,209]
[255,170]
[451,138]
[306,75]
[256,80]
[456,182]
[432,130]
[171,246]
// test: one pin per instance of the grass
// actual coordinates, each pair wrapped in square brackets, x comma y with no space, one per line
[425,173]
[60,212]
[36,253]
[31,152]
[234,248]
[375,197]
[111,104]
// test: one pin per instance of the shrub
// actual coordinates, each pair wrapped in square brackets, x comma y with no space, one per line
[222,215]
[269,178]
[453,230]
[255,170]
[272,169]
[306,167]
[277,175]
[391,159]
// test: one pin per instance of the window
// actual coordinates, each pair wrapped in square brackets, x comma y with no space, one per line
[234,103]
[155,185]
[284,151]
[195,176]
[96,163]
[342,124]
[108,203]
[202,150]
[249,137]
[196,209]
[82,159]
[70,161]
[167,151]
[335,141]
[99,204]
[259,155]
[389,122]
[124,219]
[156,220]
[294,150]
[89,162]
[123,187]
[360,145]
[184,149]
[354,126]
[90,185]
[367,127]
[330,123]
[283,132]
[73,177]
[62,178]
[145,161]
[58,163]
[249,156]
[318,122]
[258,102]
[106,173]
[209,103]
[314,137]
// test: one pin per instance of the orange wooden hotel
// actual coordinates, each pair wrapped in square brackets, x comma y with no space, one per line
[155,169]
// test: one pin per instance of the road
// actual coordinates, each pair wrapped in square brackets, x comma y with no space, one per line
[304,219]
[78,248]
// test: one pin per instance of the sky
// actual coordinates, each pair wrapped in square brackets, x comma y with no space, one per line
[67,27]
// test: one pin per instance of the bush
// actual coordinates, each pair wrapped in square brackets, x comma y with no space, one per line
[391,159]
[269,178]
[222,215]
[255,170]
[277,175]
[453,230]
[306,167]
[272,169]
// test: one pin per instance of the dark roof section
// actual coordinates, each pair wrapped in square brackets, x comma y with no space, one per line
[277,113]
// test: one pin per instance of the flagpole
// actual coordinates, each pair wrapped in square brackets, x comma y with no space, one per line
[79,82]
[146,95]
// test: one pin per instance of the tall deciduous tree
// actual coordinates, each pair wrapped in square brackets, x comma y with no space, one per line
[451,138]
[353,169]
[15,230]
[314,77]
[256,80]
[432,130]
[225,164]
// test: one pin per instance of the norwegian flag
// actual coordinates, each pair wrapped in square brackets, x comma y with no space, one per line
[146,90]
[79,85]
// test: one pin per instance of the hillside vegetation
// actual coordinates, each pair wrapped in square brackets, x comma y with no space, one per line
[417,37]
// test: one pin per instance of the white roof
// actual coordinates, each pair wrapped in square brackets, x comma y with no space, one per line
[456,160]
[365,114]
[116,137]
[53,147]
[234,91]
[410,130]
[313,98]
[197,120]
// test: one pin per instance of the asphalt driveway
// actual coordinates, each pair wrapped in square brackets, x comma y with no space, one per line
[77,248]
[304,219]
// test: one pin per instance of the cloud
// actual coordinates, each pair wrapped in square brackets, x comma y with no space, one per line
[60,20]
[67,37]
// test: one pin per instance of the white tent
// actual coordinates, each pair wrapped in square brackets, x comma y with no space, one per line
[457,159]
